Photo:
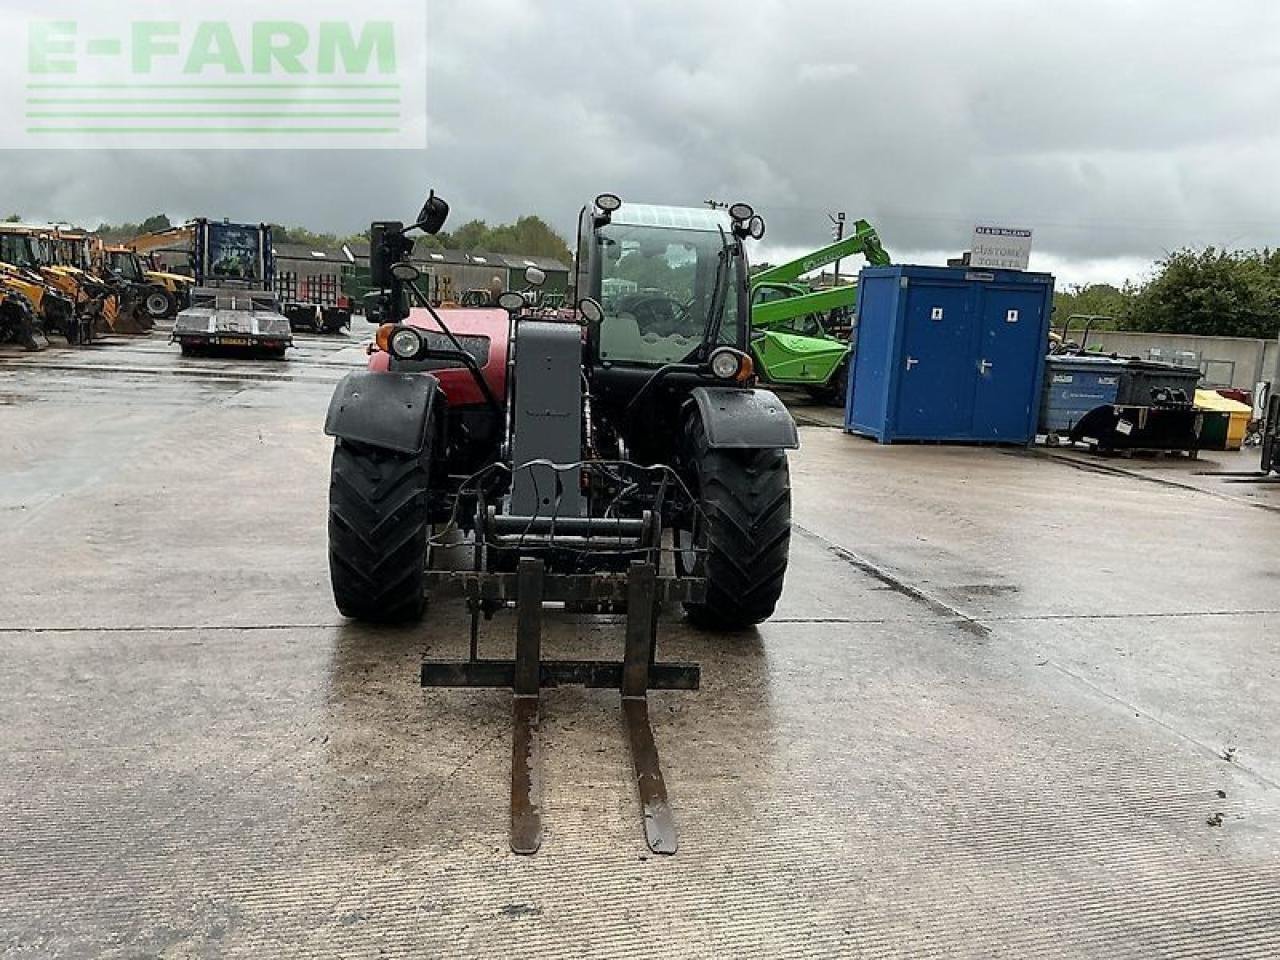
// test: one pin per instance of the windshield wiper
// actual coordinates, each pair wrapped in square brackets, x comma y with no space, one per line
[719,297]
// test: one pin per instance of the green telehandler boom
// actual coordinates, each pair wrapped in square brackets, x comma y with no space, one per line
[800,336]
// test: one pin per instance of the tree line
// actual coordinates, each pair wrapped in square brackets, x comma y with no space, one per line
[529,235]
[1210,292]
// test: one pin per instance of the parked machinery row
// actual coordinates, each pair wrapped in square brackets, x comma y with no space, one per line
[57,281]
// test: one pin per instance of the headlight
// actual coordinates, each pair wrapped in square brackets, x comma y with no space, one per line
[729,364]
[406,343]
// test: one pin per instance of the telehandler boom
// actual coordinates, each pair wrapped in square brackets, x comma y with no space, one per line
[797,337]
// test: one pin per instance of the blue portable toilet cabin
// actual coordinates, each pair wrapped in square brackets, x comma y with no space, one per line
[949,354]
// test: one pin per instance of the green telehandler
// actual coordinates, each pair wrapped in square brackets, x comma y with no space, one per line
[799,335]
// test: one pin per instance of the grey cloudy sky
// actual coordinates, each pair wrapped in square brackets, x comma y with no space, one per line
[1116,130]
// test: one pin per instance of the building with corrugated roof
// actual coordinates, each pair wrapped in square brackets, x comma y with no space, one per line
[449,274]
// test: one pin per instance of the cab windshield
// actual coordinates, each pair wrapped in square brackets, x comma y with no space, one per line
[73,253]
[662,289]
[16,250]
[42,248]
[126,265]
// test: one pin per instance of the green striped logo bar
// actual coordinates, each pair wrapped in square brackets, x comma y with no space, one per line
[238,74]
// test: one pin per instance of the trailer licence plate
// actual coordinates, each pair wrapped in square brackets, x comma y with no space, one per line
[234,341]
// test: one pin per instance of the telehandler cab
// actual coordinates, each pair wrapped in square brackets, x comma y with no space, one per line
[574,457]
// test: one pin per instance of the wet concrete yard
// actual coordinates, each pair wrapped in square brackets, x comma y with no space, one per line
[1013,705]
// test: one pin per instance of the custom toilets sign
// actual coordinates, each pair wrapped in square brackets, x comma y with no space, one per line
[236,74]
[1000,248]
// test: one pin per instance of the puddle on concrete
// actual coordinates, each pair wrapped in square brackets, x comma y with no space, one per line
[986,589]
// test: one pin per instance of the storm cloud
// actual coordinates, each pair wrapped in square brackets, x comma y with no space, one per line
[1116,131]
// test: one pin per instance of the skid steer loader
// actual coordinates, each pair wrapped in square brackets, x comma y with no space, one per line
[574,457]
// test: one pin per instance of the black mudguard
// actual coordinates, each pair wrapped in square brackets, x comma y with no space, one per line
[388,410]
[738,419]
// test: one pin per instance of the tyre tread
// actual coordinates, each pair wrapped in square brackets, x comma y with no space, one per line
[378,533]
[746,495]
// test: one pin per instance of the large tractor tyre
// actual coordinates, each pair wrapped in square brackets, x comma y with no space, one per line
[743,532]
[159,303]
[379,531]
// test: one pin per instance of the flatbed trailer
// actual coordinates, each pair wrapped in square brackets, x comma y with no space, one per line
[234,304]
[232,319]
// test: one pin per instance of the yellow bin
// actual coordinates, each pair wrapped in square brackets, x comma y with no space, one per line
[1240,414]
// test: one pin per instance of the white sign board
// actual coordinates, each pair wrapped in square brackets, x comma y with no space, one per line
[1001,248]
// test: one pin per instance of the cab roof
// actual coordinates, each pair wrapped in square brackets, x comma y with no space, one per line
[701,219]
[44,230]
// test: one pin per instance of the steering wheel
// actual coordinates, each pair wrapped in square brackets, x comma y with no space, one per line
[657,313]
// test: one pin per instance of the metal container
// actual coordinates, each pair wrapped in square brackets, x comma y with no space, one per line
[1074,385]
[949,354]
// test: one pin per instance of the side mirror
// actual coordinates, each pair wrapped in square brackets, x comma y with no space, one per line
[511,301]
[387,246]
[534,277]
[591,310]
[433,215]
